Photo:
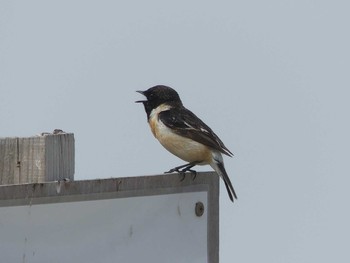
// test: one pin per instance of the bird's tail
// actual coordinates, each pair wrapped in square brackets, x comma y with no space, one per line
[218,166]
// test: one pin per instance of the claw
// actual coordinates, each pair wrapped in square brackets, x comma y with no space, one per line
[183,175]
[193,173]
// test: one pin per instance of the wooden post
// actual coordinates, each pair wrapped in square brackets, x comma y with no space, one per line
[44,158]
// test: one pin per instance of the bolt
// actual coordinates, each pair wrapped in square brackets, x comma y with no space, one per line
[199,209]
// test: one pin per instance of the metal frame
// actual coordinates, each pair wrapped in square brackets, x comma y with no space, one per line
[72,191]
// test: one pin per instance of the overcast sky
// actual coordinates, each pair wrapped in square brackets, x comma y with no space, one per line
[271,78]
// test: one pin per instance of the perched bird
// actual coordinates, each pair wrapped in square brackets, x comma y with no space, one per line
[183,134]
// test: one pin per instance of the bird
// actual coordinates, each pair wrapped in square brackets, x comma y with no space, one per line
[183,134]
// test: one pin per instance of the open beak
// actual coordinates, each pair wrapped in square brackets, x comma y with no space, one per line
[143,93]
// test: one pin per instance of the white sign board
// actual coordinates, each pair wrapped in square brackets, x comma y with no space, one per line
[137,219]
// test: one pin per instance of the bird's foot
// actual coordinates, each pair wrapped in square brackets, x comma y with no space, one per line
[185,168]
[183,172]
[177,169]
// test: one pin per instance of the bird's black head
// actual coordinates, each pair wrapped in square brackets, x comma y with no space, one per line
[158,95]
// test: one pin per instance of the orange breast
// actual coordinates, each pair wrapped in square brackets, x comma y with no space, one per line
[184,148]
[153,125]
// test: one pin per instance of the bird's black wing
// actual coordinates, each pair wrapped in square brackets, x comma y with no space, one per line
[187,124]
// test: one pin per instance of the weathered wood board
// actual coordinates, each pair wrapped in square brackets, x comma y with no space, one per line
[45,158]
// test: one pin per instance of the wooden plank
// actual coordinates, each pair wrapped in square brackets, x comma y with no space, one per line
[59,157]
[8,160]
[44,158]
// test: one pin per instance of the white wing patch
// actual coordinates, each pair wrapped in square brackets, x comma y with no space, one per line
[204,130]
[188,125]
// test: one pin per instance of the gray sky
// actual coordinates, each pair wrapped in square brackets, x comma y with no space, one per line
[270,77]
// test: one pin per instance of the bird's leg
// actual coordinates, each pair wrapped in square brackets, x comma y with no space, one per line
[186,167]
[177,168]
